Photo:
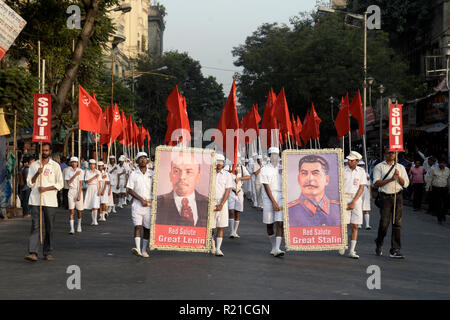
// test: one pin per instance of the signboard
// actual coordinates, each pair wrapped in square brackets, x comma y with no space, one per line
[370,115]
[183,193]
[42,117]
[11,24]
[395,128]
[313,200]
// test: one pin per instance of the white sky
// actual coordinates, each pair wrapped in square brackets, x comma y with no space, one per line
[209,29]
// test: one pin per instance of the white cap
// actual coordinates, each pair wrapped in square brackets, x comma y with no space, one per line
[121,158]
[280,167]
[92,161]
[100,163]
[220,157]
[254,154]
[259,157]
[345,160]
[73,159]
[361,162]
[141,154]
[239,154]
[273,150]
[354,156]
[112,157]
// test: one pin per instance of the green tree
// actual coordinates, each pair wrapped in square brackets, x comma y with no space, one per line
[313,59]
[46,22]
[204,96]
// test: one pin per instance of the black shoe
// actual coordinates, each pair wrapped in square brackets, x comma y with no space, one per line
[396,255]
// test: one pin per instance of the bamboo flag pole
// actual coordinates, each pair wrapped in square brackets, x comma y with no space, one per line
[395,188]
[350,141]
[40,159]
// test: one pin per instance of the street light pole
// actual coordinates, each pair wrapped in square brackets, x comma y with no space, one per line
[381,89]
[331,99]
[365,88]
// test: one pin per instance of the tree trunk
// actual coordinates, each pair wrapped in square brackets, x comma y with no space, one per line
[59,100]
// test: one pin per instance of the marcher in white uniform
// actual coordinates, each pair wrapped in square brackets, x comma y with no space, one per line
[139,185]
[258,184]
[92,197]
[236,198]
[273,201]
[105,192]
[246,184]
[130,168]
[112,171]
[355,179]
[224,183]
[73,178]
[122,176]
[366,198]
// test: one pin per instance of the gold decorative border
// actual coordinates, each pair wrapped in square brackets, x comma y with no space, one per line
[340,156]
[212,184]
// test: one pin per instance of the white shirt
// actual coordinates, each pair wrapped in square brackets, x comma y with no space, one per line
[272,177]
[66,185]
[51,177]
[224,180]
[440,178]
[353,179]
[104,179]
[113,176]
[240,174]
[89,174]
[141,184]
[69,173]
[192,204]
[392,187]
[123,177]
[258,176]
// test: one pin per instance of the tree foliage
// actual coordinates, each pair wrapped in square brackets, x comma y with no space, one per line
[204,96]
[46,22]
[318,56]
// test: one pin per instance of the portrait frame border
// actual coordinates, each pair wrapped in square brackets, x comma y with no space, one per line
[340,156]
[212,182]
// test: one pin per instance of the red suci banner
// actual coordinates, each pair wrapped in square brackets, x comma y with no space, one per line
[42,117]
[395,128]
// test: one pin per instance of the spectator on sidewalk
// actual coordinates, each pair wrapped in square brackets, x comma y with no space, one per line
[440,181]
[417,174]
[25,189]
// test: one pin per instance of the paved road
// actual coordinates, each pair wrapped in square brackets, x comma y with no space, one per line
[247,271]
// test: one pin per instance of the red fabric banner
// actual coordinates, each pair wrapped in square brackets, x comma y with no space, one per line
[396,128]
[42,118]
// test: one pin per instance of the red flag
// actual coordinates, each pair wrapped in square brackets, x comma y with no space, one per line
[229,120]
[116,125]
[136,134]
[88,112]
[123,134]
[307,128]
[316,122]
[342,122]
[42,118]
[357,111]
[177,117]
[299,130]
[282,114]
[130,132]
[103,123]
[269,122]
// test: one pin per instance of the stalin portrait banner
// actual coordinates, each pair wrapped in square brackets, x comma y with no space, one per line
[182,205]
[313,194]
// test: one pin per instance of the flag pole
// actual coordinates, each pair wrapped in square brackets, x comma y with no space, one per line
[40,160]
[350,140]
[395,189]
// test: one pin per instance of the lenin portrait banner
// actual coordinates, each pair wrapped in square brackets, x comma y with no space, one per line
[313,198]
[182,199]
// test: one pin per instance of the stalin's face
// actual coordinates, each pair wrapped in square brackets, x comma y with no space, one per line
[313,180]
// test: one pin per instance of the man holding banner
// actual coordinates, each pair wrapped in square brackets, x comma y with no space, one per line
[45,179]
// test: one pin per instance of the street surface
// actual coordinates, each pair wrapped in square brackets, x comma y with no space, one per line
[247,271]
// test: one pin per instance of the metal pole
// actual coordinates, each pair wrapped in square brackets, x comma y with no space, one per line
[112,77]
[39,65]
[73,102]
[365,90]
